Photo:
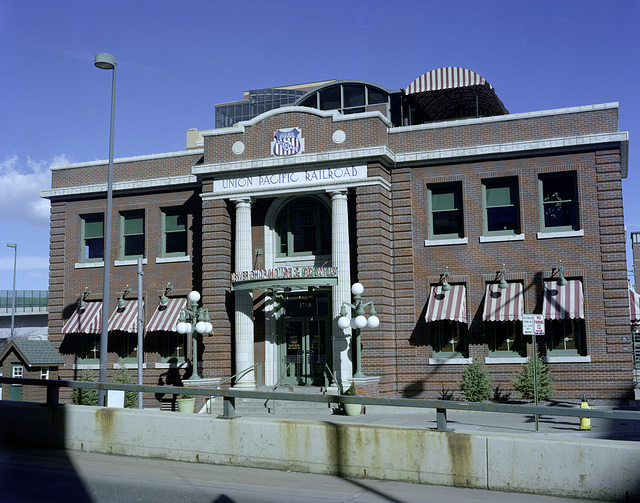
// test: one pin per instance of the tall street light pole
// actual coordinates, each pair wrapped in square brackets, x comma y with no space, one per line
[13,299]
[106,61]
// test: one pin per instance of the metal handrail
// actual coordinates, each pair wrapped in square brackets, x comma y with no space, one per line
[229,396]
[333,378]
[244,372]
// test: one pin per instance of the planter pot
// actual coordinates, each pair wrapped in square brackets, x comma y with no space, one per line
[353,409]
[186,404]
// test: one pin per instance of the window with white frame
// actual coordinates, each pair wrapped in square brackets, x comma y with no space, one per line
[89,348]
[445,211]
[566,337]
[173,347]
[44,373]
[174,232]
[449,338]
[558,202]
[92,238]
[501,205]
[132,234]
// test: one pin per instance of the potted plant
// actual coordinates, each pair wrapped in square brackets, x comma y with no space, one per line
[352,409]
[186,404]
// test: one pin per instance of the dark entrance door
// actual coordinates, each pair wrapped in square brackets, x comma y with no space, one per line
[304,337]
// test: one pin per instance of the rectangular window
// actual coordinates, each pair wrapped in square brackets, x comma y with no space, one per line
[449,338]
[92,237]
[17,371]
[173,347]
[132,234]
[558,202]
[127,346]
[505,338]
[44,373]
[174,243]
[566,337]
[445,211]
[501,206]
[89,348]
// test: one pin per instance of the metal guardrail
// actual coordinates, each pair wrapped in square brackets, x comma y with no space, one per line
[229,396]
[25,299]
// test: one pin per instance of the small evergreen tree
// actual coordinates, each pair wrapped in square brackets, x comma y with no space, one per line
[523,381]
[476,383]
[80,396]
[130,397]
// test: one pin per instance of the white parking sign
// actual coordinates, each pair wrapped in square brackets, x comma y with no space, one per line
[533,324]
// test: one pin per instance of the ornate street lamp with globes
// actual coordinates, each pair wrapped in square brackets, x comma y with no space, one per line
[195,321]
[358,322]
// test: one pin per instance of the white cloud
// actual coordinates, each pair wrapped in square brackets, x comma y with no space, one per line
[20,186]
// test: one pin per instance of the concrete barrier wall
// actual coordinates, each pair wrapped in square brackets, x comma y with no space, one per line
[598,469]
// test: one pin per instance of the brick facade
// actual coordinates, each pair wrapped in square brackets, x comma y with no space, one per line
[388,234]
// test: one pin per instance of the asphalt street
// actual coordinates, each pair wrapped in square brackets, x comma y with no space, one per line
[38,475]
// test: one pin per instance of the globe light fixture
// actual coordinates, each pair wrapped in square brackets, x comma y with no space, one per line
[194,321]
[359,321]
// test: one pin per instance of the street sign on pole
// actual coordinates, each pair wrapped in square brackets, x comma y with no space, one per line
[538,324]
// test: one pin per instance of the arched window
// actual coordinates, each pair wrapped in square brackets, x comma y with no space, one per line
[303,227]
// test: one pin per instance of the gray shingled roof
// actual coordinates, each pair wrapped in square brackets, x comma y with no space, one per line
[39,352]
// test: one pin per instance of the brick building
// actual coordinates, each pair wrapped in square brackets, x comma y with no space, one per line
[457,217]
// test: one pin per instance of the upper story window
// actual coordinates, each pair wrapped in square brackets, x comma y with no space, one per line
[445,211]
[92,237]
[174,232]
[132,234]
[501,206]
[558,202]
[304,228]
[348,98]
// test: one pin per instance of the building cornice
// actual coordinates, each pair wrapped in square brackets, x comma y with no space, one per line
[150,157]
[98,188]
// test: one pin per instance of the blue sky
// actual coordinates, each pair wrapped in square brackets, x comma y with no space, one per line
[176,60]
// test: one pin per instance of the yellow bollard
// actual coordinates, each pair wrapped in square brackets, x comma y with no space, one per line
[585,422]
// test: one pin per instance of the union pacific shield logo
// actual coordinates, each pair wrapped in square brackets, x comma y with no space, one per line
[287,142]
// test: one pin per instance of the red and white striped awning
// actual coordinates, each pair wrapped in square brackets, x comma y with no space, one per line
[165,317]
[125,318]
[563,302]
[451,305]
[450,77]
[85,321]
[634,305]
[504,305]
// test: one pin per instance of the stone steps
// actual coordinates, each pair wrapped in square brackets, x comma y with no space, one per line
[261,406]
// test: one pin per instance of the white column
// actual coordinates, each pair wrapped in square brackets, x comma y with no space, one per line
[244,298]
[340,258]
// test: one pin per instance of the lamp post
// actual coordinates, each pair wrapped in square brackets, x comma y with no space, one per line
[13,298]
[106,61]
[194,321]
[360,321]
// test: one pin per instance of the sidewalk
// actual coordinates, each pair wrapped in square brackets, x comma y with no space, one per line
[471,421]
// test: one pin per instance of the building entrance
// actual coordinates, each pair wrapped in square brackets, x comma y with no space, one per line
[304,339]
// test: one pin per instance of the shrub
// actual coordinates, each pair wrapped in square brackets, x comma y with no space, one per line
[476,383]
[351,390]
[130,397]
[523,381]
[80,396]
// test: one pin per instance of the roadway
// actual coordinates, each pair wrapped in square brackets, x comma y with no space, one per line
[37,475]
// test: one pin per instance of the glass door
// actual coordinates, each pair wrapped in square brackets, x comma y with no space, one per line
[304,340]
